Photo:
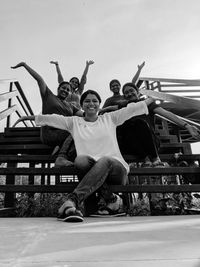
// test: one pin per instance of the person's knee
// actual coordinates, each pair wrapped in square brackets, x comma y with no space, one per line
[82,162]
[105,159]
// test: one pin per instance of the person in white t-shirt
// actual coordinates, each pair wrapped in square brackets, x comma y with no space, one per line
[98,156]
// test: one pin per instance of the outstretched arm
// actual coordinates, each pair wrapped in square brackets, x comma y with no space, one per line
[60,77]
[84,77]
[108,109]
[24,118]
[193,130]
[137,74]
[41,83]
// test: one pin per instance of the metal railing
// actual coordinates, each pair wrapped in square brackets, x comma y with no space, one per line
[21,107]
[178,87]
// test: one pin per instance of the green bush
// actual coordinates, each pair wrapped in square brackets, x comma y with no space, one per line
[39,205]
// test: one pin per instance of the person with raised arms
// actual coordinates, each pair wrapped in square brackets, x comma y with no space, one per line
[136,136]
[115,87]
[55,104]
[77,87]
[98,160]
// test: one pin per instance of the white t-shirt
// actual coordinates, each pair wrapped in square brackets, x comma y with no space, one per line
[95,139]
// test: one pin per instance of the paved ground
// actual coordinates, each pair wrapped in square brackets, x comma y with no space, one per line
[127,241]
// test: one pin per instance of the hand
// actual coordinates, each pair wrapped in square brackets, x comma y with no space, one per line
[141,65]
[101,112]
[149,100]
[193,130]
[21,64]
[89,62]
[54,62]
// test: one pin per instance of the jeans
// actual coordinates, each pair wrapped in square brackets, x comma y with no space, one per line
[97,175]
[56,137]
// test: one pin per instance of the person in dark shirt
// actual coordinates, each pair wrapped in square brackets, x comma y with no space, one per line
[76,85]
[115,87]
[137,135]
[55,104]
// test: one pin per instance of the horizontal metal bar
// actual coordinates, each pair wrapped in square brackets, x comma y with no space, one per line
[115,188]
[73,171]
[8,95]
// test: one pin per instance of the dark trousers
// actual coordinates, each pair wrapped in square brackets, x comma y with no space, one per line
[56,137]
[135,137]
[97,175]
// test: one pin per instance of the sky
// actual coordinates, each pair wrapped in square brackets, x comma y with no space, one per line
[117,34]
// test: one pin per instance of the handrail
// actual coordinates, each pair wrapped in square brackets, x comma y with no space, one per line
[177,87]
[19,95]
[195,82]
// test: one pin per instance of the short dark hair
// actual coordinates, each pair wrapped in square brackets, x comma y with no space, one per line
[74,78]
[114,81]
[131,85]
[92,92]
[64,82]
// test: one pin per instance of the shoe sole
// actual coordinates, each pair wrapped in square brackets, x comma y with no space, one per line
[108,215]
[71,218]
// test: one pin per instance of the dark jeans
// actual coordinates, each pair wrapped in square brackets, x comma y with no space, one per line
[56,137]
[135,137]
[97,175]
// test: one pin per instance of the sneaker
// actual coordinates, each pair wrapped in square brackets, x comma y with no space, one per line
[112,209]
[158,164]
[70,213]
[146,164]
[62,162]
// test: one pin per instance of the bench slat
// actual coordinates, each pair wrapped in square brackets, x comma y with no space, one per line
[73,171]
[64,188]
[49,158]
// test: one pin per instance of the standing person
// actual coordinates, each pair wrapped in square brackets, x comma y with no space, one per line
[115,87]
[136,136]
[55,104]
[98,156]
[76,85]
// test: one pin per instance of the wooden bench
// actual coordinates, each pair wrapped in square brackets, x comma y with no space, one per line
[23,146]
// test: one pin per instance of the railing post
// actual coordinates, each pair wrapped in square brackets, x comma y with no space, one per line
[9,105]
[9,199]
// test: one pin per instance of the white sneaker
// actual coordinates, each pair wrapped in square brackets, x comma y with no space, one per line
[117,204]
[112,209]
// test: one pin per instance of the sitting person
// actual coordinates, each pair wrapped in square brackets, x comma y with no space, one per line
[55,104]
[137,135]
[115,87]
[98,156]
[76,86]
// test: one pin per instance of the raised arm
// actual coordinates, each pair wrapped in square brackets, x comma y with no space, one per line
[137,74]
[193,130]
[84,76]
[60,77]
[41,83]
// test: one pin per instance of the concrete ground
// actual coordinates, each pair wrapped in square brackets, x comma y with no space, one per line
[127,241]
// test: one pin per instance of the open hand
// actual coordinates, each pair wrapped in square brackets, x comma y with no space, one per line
[89,62]
[21,64]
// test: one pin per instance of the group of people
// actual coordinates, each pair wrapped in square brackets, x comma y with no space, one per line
[94,140]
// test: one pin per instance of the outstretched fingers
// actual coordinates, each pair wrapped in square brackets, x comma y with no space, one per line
[21,64]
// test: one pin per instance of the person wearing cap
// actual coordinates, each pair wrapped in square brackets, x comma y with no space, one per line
[115,87]
[55,104]
[76,85]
